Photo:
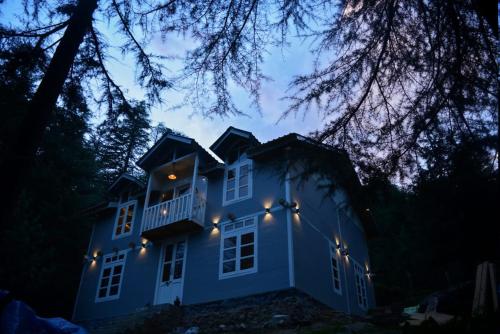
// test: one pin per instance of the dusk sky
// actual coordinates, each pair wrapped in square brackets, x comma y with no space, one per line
[281,64]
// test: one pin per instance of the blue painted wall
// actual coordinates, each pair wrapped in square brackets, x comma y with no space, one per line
[201,276]
[313,228]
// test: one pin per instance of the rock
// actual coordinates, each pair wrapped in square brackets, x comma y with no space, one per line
[279,319]
[192,330]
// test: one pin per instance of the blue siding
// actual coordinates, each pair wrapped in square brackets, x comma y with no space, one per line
[311,253]
[316,224]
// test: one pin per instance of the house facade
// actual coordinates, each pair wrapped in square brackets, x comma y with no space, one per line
[201,231]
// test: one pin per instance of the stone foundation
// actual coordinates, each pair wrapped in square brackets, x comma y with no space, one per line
[283,309]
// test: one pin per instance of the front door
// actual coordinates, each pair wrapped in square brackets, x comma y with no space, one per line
[171,272]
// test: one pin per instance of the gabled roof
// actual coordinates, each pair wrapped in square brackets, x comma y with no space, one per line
[162,150]
[351,183]
[230,137]
[124,180]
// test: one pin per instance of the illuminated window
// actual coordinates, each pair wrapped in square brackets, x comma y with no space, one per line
[124,219]
[111,277]
[238,182]
[238,251]
[359,275]
[334,260]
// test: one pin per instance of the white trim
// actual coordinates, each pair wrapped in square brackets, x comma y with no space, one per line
[146,200]
[181,139]
[237,233]
[334,254]
[221,139]
[289,229]
[193,184]
[111,265]
[173,241]
[124,234]
[236,166]
[359,271]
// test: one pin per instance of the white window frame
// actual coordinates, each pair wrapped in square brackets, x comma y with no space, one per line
[236,166]
[111,264]
[238,232]
[334,255]
[124,234]
[360,285]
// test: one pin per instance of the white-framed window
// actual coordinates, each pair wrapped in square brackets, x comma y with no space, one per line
[237,182]
[359,275]
[238,249]
[335,263]
[110,281]
[124,219]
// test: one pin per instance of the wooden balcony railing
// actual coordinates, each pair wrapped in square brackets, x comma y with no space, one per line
[175,210]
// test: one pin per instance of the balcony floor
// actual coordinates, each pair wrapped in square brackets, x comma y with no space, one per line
[172,229]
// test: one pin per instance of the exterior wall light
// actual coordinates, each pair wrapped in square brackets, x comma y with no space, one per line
[344,252]
[268,210]
[215,225]
[145,244]
[369,274]
[297,211]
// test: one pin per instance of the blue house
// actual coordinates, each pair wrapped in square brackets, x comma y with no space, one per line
[202,231]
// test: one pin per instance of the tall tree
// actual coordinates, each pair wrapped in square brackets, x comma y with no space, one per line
[394,77]
[122,140]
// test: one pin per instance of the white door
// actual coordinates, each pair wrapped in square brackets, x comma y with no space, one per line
[171,272]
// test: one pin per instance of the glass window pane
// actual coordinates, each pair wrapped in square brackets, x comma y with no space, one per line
[229,242]
[243,170]
[247,238]
[238,225]
[246,263]
[115,279]
[229,254]
[231,174]
[117,269]
[179,253]
[178,269]
[231,184]
[166,272]
[229,266]
[230,195]
[243,191]
[122,211]
[247,250]
[102,293]
[228,227]
[249,222]
[118,230]
[104,282]
[243,180]
[106,272]
[337,285]
[168,252]
[113,290]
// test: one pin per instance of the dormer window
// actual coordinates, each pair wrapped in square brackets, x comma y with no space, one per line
[124,219]
[238,182]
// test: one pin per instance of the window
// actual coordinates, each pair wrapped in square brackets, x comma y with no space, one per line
[238,248]
[124,219]
[238,182]
[173,261]
[359,275]
[334,259]
[111,277]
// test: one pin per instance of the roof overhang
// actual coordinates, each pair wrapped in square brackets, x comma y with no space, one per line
[169,146]
[281,147]
[125,180]
[231,137]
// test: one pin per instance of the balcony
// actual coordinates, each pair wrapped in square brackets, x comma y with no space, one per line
[174,206]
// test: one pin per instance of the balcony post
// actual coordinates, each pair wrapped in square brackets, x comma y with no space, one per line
[146,201]
[195,176]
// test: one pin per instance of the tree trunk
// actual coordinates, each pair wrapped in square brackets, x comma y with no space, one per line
[20,154]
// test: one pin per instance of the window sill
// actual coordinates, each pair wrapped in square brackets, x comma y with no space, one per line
[234,201]
[237,274]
